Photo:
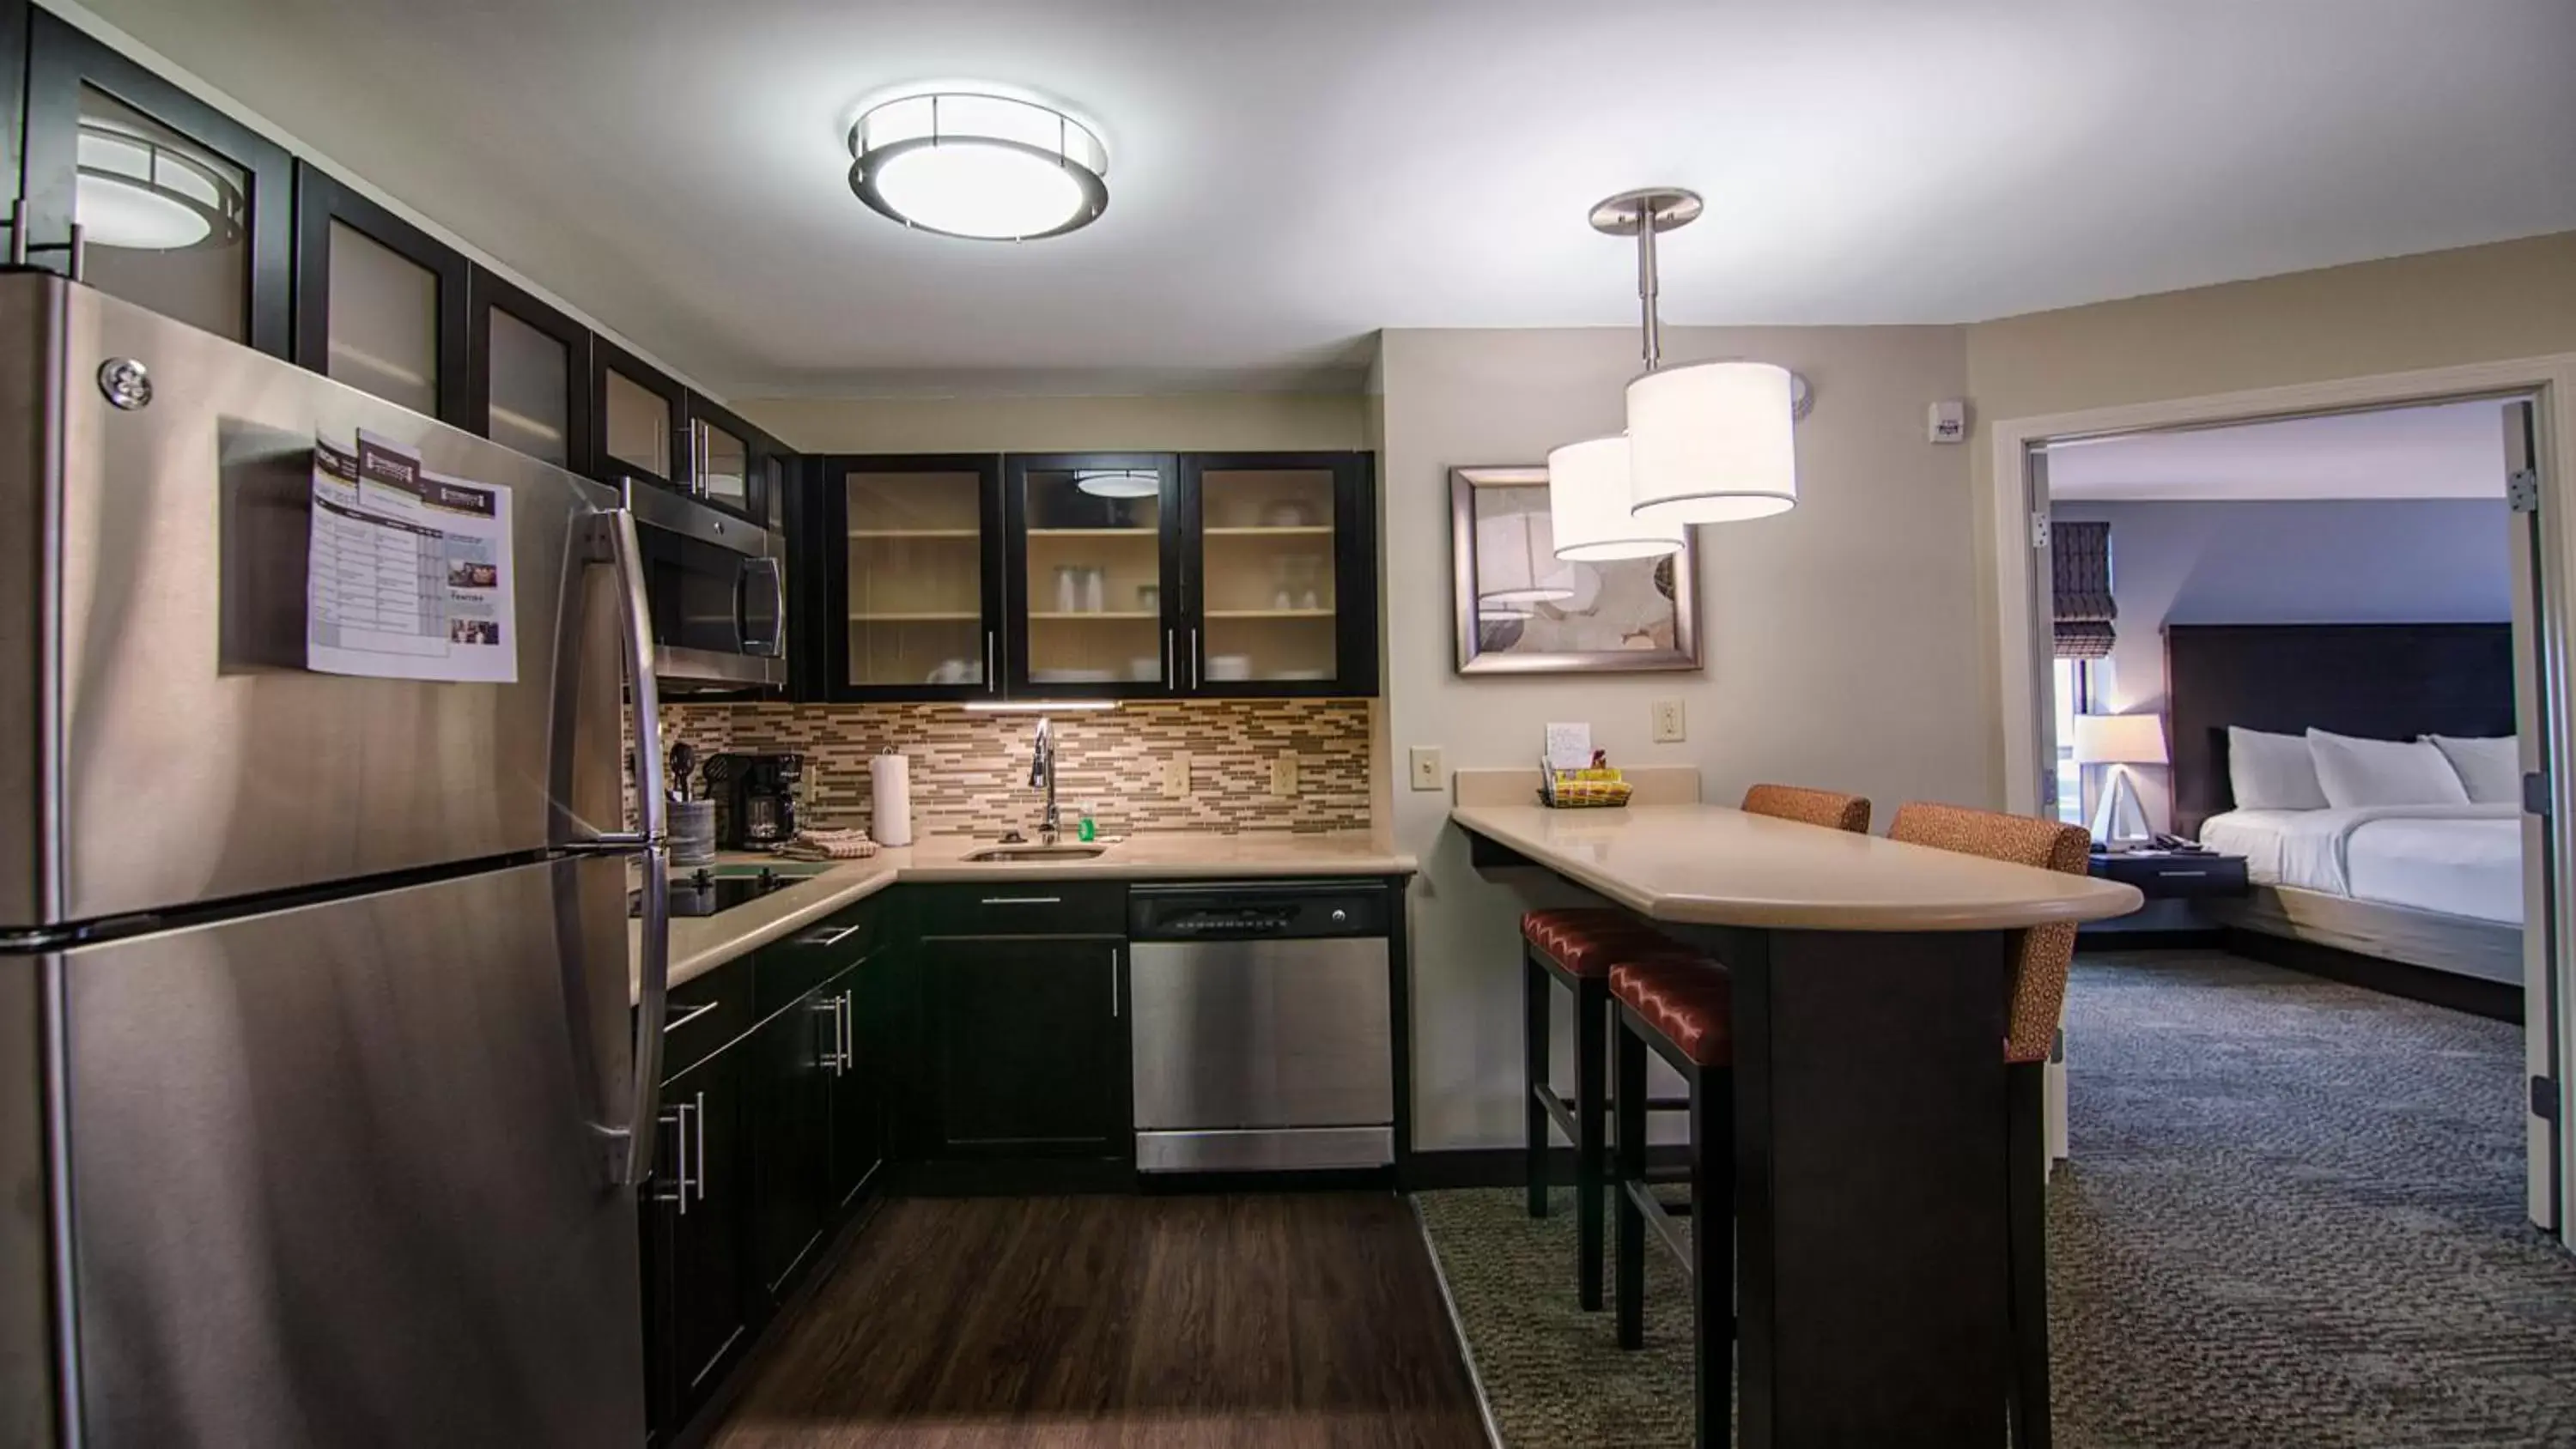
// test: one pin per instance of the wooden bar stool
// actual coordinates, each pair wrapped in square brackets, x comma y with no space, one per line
[2039,996]
[1680,1005]
[1575,947]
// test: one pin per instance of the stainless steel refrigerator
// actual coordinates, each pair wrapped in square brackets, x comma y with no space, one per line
[319,1085]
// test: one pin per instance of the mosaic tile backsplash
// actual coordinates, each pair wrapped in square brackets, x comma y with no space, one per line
[970,772]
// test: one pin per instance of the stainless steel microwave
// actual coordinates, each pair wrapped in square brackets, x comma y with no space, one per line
[719,594]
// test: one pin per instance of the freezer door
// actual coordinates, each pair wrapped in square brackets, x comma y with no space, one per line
[336,1172]
[151,679]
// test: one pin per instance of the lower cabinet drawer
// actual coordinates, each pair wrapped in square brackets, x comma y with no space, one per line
[705,1013]
[1023,908]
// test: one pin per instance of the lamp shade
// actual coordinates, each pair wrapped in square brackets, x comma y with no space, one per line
[1587,504]
[2119,739]
[1713,442]
[1516,563]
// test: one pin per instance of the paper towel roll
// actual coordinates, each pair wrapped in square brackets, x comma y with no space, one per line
[890,782]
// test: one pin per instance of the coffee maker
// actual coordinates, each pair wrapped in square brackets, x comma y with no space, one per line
[755,797]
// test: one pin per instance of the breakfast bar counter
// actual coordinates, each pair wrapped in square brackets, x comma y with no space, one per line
[1871,983]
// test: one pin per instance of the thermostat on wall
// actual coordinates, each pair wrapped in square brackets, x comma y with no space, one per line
[1949,421]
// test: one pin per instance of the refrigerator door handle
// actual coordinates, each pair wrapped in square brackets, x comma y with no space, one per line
[632,1161]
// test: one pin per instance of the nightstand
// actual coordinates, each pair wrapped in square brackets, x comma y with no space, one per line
[2174,883]
[2170,874]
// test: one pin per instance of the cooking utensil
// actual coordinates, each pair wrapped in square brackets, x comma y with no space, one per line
[683,760]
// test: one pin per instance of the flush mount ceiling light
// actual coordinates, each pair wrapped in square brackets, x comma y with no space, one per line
[993,168]
[1710,442]
[1587,499]
[1119,482]
[135,192]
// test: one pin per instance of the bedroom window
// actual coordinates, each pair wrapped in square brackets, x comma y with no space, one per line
[2073,691]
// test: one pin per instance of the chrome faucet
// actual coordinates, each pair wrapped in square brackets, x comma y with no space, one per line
[1042,774]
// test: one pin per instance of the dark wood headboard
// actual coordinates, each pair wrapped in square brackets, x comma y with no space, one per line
[2378,681]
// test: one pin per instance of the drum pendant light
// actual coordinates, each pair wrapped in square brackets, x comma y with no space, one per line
[1709,442]
[1587,498]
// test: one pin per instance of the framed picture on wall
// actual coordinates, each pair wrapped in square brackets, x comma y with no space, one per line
[1521,610]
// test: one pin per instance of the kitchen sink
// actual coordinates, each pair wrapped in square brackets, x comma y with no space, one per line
[1002,854]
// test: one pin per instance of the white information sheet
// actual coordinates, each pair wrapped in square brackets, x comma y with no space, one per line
[410,575]
[1569,746]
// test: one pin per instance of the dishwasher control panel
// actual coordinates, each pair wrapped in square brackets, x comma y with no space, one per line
[1256,910]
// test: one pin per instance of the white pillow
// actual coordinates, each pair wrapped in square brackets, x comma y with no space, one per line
[2357,772]
[2272,772]
[2490,769]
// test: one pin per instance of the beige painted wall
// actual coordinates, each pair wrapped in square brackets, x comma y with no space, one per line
[1841,638]
[2475,304]
[1240,422]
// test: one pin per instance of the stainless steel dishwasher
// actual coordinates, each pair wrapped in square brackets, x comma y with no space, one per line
[1261,1015]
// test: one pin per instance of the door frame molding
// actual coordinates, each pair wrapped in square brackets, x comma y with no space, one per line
[2003,497]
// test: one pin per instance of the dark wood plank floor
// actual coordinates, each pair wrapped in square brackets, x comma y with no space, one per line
[1289,1319]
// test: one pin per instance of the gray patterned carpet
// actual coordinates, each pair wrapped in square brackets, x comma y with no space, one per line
[2294,1218]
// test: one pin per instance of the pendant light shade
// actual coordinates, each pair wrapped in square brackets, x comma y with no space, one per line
[1588,503]
[1516,565]
[1712,443]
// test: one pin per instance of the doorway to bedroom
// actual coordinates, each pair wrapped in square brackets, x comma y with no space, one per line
[2323,647]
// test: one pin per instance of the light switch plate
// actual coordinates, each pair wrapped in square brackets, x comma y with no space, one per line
[1176,777]
[1668,721]
[1283,775]
[1426,766]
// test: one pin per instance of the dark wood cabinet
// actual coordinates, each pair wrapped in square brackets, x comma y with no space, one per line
[791,1065]
[1090,575]
[1028,1047]
[733,465]
[180,208]
[700,1299]
[527,373]
[858,1126]
[638,421]
[379,303]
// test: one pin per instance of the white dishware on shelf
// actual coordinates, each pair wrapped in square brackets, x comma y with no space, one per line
[1230,668]
[1068,588]
[1145,666]
[1072,676]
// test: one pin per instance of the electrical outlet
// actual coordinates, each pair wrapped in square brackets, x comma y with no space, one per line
[1426,766]
[1176,777]
[1283,775]
[1667,715]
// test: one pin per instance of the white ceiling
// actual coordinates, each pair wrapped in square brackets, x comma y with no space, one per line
[2454,450]
[1289,175]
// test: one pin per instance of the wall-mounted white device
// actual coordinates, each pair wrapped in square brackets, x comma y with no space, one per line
[1949,421]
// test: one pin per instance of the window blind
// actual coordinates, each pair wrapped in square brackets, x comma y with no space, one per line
[2080,558]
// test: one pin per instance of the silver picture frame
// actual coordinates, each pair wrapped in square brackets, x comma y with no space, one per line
[1487,642]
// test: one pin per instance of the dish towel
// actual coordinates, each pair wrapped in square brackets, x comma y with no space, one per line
[830,845]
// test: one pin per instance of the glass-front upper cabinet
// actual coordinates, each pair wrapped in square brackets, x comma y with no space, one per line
[1092,574]
[527,373]
[730,461]
[638,421]
[911,559]
[175,206]
[379,303]
[1267,594]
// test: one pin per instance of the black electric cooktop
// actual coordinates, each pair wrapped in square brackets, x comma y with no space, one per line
[704,893]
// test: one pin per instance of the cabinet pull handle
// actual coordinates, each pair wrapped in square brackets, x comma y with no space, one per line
[992,676]
[1171,674]
[692,1014]
[1024,900]
[849,1031]
[2184,874]
[1113,984]
[702,1147]
[1194,657]
[834,939]
[679,1120]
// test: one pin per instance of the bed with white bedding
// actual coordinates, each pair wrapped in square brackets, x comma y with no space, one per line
[2458,860]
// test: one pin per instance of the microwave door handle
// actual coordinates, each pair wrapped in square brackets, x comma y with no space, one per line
[773,645]
[631,1146]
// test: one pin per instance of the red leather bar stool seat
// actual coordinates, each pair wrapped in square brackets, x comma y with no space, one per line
[1686,998]
[1589,940]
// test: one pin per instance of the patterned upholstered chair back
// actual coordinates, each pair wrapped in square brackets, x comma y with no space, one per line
[2039,978]
[1811,807]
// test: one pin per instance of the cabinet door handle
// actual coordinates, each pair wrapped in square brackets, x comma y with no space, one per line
[679,1117]
[1024,900]
[830,1010]
[834,939]
[1194,657]
[849,1030]
[1171,675]
[2184,874]
[702,1147]
[1113,983]
[992,676]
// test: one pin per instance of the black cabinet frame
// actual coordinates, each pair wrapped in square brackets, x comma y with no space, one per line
[60,60]
[611,470]
[485,291]
[1017,603]
[819,533]
[321,200]
[1355,591]
[760,499]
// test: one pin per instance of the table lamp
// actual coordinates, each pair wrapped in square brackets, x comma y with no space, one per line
[2119,740]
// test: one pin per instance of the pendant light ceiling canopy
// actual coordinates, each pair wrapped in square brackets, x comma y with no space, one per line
[1711,442]
[1587,499]
[988,167]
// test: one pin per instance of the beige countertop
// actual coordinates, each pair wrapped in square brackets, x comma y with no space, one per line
[701,943]
[1716,865]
